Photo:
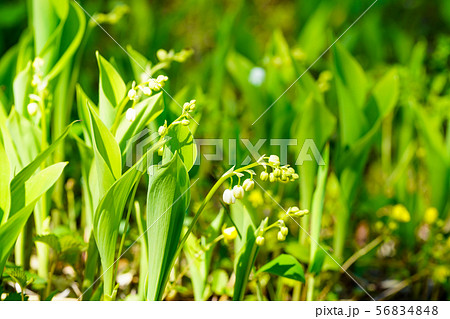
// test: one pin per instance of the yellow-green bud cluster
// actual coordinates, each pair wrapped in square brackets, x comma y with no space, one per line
[171,55]
[294,211]
[279,173]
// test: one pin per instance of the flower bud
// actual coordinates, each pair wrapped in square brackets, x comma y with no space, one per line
[186,106]
[32,108]
[161,78]
[284,231]
[293,210]
[130,115]
[295,176]
[272,177]
[38,63]
[162,55]
[132,94]
[280,236]
[238,192]
[228,197]
[161,151]
[260,240]
[185,122]
[277,172]
[274,160]
[146,90]
[162,130]
[229,233]
[248,185]
[264,176]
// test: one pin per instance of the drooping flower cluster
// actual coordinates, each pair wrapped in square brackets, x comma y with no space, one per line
[171,55]
[283,231]
[146,88]
[279,173]
[39,83]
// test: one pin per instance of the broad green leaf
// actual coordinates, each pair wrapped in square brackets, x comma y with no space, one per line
[245,247]
[351,92]
[83,112]
[111,91]
[181,140]
[75,39]
[49,18]
[31,190]
[167,201]
[316,266]
[19,180]
[386,92]
[109,214]
[147,110]
[285,266]
[21,89]
[10,230]
[26,137]
[105,144]
[313,35]
[5,198]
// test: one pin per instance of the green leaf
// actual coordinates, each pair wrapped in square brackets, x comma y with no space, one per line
[10,230]
[245,247]
[386,92]
[181,141]
[318,202]
[32,188]
[19,180]
[109,214]
[351,88]
[147,110]
[21,89]
[5,199]
[105,144]
[51,240]
[75,40]
[111,91]
[167,201]
[18,276]
[219,282]
[285,266]
[316,266]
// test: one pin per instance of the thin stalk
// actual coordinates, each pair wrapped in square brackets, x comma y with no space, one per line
[353,258]
[41,211]
[386,143]
[206,200]
[259,292]
[49,281]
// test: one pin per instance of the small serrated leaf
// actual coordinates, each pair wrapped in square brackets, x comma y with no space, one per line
[51,240]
